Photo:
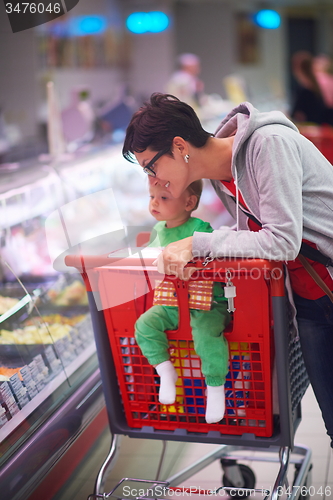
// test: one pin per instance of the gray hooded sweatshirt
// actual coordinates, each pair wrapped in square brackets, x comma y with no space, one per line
[286,183]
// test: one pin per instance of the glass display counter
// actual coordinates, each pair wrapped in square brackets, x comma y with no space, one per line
[50,387]
[45,336]
[50,390]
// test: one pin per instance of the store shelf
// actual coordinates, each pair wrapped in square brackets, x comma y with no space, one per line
[49,389]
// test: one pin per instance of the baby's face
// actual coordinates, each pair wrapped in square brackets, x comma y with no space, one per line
[163,206]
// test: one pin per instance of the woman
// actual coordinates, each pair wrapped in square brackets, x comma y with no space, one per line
[259,165]
[323,70]
[308,103]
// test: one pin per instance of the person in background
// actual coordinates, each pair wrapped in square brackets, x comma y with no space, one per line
[278,187]
[308,103]
[185,82]
[323,70]
[208,306]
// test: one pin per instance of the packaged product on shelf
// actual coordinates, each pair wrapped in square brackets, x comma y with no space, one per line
[63,352]
[53,361]
[85,331]
[19,390]
[7,397]
[3,414]
[77,341]
[69,346]
[29,381]
[36,375]
[43,371]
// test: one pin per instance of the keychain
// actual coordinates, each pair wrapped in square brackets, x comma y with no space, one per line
[207,260]
[230,292]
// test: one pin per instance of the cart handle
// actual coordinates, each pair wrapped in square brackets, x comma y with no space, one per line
[271,270]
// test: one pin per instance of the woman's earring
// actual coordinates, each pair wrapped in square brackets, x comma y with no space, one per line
[186,158]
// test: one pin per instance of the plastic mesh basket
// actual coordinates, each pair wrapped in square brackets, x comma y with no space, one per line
[248,387]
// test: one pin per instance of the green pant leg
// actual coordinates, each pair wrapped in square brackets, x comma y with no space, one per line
[150,332]
[210,343]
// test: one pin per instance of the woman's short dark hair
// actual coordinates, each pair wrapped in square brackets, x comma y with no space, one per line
[158,121]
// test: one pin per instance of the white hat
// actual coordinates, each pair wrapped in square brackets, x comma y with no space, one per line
[188,59]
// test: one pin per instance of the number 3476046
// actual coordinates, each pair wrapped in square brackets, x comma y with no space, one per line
[32,8]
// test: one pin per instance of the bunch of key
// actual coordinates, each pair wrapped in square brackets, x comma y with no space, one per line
[229,289]
[230,292]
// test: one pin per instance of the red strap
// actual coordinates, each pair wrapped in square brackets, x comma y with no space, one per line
[302,283]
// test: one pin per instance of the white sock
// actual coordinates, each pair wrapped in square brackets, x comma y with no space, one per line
[215,405]
[168,378]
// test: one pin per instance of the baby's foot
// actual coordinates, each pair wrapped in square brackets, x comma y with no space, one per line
[168,379]
[215,405]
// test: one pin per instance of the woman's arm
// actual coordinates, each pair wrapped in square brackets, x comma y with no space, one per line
[274,195]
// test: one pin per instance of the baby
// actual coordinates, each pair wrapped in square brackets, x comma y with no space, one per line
[208,317]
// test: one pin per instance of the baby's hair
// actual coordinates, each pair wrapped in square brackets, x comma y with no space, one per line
[196,189]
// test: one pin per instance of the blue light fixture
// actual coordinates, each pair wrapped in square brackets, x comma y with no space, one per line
[158,21]
[87,25]
[136,22]
[147,22]
[267,18]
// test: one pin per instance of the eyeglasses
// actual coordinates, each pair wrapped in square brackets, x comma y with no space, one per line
[149,169]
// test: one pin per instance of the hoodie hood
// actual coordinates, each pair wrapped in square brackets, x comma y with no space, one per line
[276,170]
[245,119]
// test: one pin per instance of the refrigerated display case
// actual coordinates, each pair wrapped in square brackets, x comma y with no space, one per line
[50,388]
[51,401]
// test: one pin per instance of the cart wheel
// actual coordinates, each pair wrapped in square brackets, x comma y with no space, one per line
[305,494]
[249,481]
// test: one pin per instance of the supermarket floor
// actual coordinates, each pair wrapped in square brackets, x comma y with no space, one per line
[140,458]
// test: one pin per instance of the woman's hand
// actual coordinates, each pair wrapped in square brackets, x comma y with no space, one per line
[174,258]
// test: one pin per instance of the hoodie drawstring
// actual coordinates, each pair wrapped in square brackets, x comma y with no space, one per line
[237,201]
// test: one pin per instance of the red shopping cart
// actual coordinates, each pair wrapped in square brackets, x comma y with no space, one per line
[322,138]
[266,379]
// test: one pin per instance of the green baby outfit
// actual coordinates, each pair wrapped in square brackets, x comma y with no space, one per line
[207,326]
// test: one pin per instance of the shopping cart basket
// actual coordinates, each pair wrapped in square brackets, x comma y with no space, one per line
[322,138]
[266,379]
